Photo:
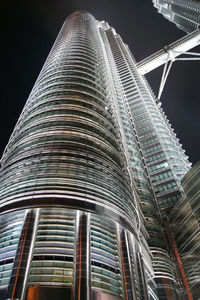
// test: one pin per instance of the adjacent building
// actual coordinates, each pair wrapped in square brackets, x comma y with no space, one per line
[184,13]
[88,178]
[185,226]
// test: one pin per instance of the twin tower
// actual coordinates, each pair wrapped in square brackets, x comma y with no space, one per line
[88,178]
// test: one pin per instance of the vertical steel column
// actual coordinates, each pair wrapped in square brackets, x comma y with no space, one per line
[82,268]
[18,274]
[129,288]
[142,276]
[34,234]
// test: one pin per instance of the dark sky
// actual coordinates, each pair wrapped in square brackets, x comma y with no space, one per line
[30,27]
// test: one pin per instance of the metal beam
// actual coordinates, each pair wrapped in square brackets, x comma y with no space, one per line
[169,52]
[168,65]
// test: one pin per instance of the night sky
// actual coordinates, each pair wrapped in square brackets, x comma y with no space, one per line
[30,27]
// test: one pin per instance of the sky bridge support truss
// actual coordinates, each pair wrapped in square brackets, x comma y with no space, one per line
[168,55]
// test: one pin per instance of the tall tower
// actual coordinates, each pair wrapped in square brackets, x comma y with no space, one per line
[185,14]
[88,177]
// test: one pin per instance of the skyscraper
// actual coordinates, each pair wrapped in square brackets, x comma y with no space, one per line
[185,14]
[88,177]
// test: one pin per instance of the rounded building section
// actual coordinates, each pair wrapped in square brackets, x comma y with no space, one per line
[64,173]
[66,144]
[67,253]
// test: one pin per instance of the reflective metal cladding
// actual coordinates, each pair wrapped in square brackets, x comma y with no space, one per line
[88,178]
[66,144]
[185,14]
